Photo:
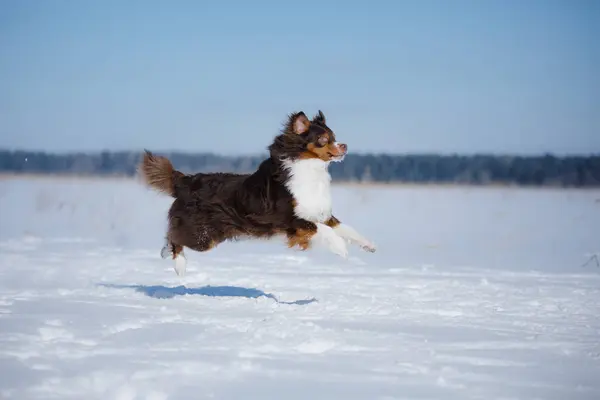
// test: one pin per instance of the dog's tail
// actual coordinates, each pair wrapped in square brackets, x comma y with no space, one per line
[158,173]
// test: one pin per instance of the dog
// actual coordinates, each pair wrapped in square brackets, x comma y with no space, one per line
[288,195]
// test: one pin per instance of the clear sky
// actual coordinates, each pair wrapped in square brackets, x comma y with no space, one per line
[508,76]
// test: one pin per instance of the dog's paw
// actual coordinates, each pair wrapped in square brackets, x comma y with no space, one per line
[338,246]
[368,246]
[332,241]
[179,264]
[166,252]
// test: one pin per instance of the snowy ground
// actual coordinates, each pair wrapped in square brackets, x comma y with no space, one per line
[472,294]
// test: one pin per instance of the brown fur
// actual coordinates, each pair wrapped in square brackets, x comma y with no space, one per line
[301,238]
[158,173]
[332,222]
[210,208]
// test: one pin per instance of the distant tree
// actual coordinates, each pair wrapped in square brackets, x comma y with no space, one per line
[546,170]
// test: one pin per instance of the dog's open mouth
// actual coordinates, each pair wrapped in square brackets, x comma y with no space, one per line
[336,158]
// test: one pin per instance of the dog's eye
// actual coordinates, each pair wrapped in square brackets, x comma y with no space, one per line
[323,140]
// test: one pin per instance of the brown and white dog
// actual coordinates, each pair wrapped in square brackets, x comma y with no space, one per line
[289,194]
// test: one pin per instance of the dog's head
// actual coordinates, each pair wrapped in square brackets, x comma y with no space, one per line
[308,139]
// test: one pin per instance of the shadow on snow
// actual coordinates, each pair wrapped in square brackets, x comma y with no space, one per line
[164,292]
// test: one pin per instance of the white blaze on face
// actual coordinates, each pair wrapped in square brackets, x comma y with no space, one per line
[338,148]
[310,184]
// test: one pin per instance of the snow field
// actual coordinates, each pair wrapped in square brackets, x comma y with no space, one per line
[474,293]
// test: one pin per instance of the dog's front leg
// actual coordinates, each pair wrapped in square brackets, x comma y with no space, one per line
[304,232]
[350,234]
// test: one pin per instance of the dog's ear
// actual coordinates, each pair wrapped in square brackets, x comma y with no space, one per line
[298,123]
[320,118]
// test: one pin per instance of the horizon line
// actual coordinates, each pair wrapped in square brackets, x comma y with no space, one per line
[265,154]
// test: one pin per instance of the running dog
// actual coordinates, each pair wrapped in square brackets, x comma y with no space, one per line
[288,195]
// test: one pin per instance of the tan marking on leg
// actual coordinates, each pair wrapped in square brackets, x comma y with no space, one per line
[332,222]
[176,250]
[301,238]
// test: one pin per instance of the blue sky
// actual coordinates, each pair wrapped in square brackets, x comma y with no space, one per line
[423,76]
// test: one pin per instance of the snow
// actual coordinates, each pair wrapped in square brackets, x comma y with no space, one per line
[473,293]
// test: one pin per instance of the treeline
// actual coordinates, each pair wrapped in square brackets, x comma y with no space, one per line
[546,170]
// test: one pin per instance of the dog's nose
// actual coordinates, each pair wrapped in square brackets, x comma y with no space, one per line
[343,147]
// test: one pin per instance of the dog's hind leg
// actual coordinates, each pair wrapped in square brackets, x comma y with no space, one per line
[180,260]
[167,250]
[201,239]
[175,240]
[175,251]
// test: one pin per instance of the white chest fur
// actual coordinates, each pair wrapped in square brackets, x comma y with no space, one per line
[310,184]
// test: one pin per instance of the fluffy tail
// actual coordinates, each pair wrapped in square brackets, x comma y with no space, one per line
[158,173]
